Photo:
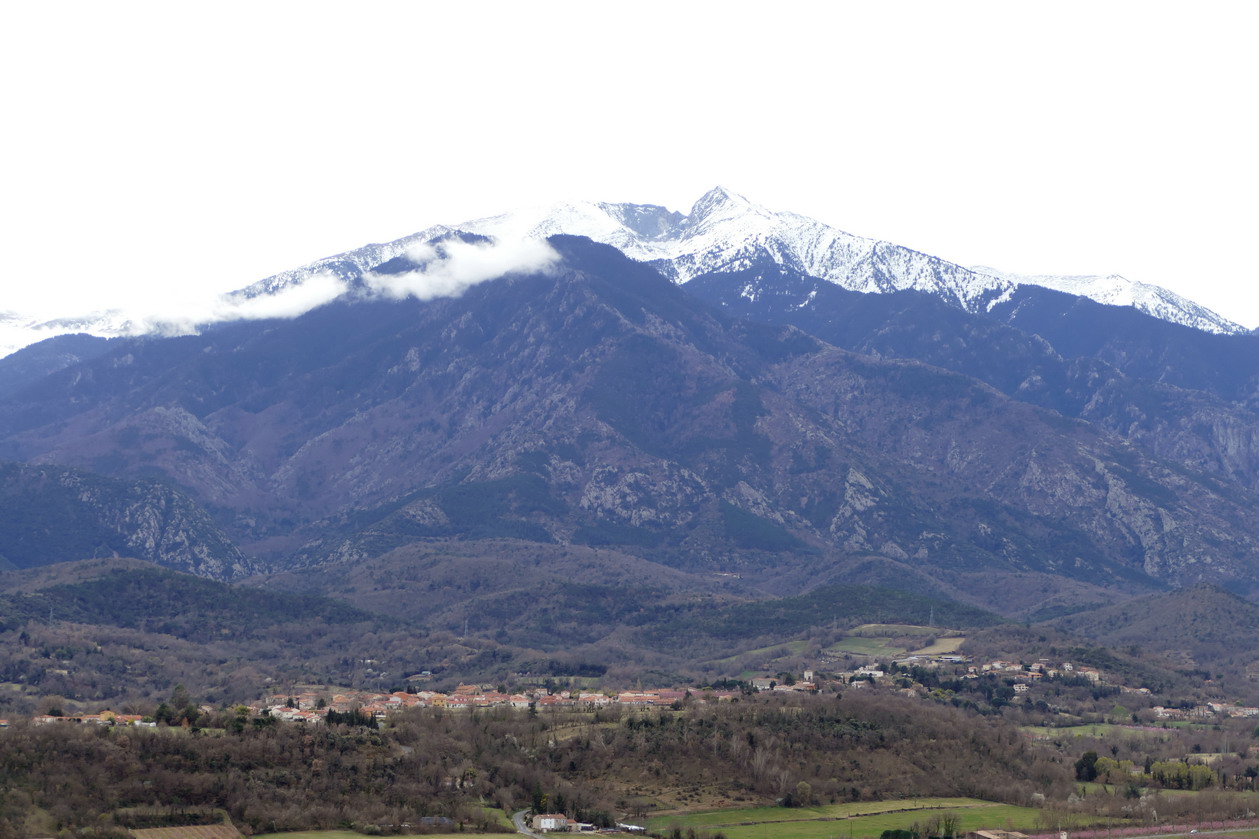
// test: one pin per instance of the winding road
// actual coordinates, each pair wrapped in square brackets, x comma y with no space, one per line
[518,819]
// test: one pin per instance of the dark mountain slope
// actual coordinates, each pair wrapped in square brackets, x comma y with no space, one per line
[1201,626]
[987,465]
[1168,410]
[581,605]
[542,596]
[842,606]
[597,403]
[30,364]
[1140,346]
[157,600]
[341,407]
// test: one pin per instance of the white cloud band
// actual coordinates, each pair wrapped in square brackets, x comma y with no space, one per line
[456,266]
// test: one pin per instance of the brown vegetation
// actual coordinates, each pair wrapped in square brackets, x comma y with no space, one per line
[429,766]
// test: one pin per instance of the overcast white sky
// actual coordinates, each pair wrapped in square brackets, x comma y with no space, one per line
[156,150]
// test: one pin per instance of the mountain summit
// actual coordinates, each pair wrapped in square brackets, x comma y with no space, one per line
[724,232]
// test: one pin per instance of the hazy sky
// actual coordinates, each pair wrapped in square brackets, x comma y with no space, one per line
[155,151]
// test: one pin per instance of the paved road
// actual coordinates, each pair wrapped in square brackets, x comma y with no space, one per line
[518,819]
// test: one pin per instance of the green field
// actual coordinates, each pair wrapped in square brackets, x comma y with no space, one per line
[782,650]
[499,817]
[942,646]
[1231,834]
[758,815]
[1097,729]
[1092,787]
[877,647]
[897,639]
[878,640]
[847,820]
[350,834]
[312,834]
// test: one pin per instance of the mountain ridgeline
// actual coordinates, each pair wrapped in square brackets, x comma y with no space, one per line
[683,432]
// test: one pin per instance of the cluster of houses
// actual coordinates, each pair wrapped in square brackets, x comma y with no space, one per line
[313,706]
[552,822]
[1023,675]
[1038,670]
[807,685]
[1205,712]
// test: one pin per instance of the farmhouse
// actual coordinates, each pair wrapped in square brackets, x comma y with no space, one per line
[550,821]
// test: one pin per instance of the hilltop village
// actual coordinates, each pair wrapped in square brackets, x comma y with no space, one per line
[952,678]
[940,678]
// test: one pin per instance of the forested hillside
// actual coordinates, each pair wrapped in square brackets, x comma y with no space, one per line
[427,764]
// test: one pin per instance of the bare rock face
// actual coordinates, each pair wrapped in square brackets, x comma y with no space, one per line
[667,496]
[55,515]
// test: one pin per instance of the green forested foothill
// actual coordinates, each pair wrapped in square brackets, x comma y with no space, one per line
[181,605]
[128,635]
[844,605]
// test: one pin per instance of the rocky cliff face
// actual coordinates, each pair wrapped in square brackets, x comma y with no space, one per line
[54,515]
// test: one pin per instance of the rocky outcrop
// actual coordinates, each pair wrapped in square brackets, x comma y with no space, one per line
[53,515]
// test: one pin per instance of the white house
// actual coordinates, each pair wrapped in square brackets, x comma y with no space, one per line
[550,821]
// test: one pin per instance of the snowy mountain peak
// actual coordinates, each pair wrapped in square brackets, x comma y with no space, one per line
[723,232]
[720,202]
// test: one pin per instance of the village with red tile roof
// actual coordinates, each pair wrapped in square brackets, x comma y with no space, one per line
[313,705]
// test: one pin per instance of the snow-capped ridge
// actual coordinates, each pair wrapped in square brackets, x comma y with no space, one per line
[725,231]
[1117,290]
[722,232]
